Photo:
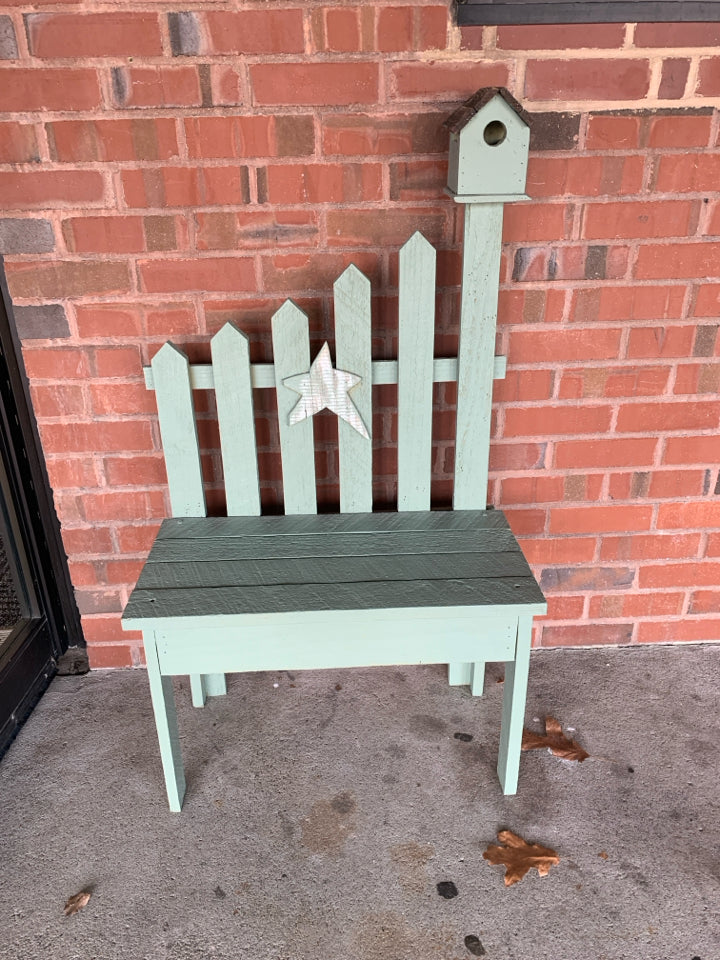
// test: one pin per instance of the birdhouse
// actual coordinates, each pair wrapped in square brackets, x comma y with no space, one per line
[489,142]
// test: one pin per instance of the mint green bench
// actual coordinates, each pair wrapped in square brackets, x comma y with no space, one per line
[305,590]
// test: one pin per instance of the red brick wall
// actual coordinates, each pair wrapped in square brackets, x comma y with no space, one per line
[165,169]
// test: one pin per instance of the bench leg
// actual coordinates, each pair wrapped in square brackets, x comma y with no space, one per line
[513,711]
[163,701]
[468,674]
[204,685]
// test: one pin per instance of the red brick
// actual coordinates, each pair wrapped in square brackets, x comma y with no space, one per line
[656,342]
[516,456]
[116,34]
[440,80]
[101,320]
[158,87]
[106,655]
[48,89]
[60,364]
[526,521]
[325,84]
[599,519]
[676,484]
[122,436]
[527,222]
[205,274]
[675,71]
[58,400]
[689,574]
[395,29]
[341,32]
[637,605]
[612,132]
[363,135]
[418,180]
[45,188]
[623,452]
[709,77]
[111,362]
[431,27]
[173,319]
[586,634]
[133,139]
[18,143]
[261,136]
[104,234]
[324,182]
[678,130]
[587,79]
[680,173]
[135,471]
[560,36]
[378,228]
[531,306]
[562,550]
[682,415]
[662,261]
[110,399]
[704,601]
[185,186]
[255,31]
[106,629]
[672,218]
[650,547]
[287,273]
[257,229]
[614,382]
[552,420]
[136,538]
[564,608]
[524,385]
[693,378]
[530,490]
[124,505]
[65,473]
[702,450]
[584,176]
[685,516]
[93,540]
[50,280]
[653,302]
[707,301]
[676,35]
[543,346]
[676,630]
[589,577]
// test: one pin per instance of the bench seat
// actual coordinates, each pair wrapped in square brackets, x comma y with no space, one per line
[232,594]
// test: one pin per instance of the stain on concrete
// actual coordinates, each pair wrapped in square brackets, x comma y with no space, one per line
[329,823]
[388,936]
[409,860]
[427,728]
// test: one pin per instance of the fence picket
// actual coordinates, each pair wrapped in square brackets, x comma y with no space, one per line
[178,431]
[415,372]
[353,353]
[233,395]
[291,350]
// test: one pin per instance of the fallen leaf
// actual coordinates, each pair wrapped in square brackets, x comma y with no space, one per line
[603,855]
[558,744]
[518,856]
[76,903]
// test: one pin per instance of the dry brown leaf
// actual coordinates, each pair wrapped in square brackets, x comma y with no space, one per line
[76,903]
[518,856]
[558,744]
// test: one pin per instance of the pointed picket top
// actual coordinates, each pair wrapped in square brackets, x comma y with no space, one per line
[233,395]
[178,431]
[419,245]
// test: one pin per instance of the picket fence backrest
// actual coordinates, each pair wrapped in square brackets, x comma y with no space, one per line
[233,378]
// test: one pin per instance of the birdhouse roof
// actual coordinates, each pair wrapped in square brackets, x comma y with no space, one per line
[474,104]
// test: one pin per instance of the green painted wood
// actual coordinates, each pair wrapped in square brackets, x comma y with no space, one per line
[353,353]
[233,396]
[215,684]
[477,681]
[481,268]
[513,710]
[415,372]
[262,375]
[178,432]
[443,521]
[353,643]
[163,701]
[197,689]
[291,350]
[459,674]
[325,570]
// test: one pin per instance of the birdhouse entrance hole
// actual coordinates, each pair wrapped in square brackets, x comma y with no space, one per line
[494,133]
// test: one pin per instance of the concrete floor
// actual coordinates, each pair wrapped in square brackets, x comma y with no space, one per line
[322,810]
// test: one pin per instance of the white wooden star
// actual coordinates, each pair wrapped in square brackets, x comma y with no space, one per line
[325,387]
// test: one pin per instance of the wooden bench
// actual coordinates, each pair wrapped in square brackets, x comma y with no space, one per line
[249,592]
[356,588]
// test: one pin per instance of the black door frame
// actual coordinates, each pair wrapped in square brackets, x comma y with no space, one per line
[28,658]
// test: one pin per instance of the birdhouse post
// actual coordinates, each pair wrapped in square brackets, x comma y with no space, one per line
[489,142]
